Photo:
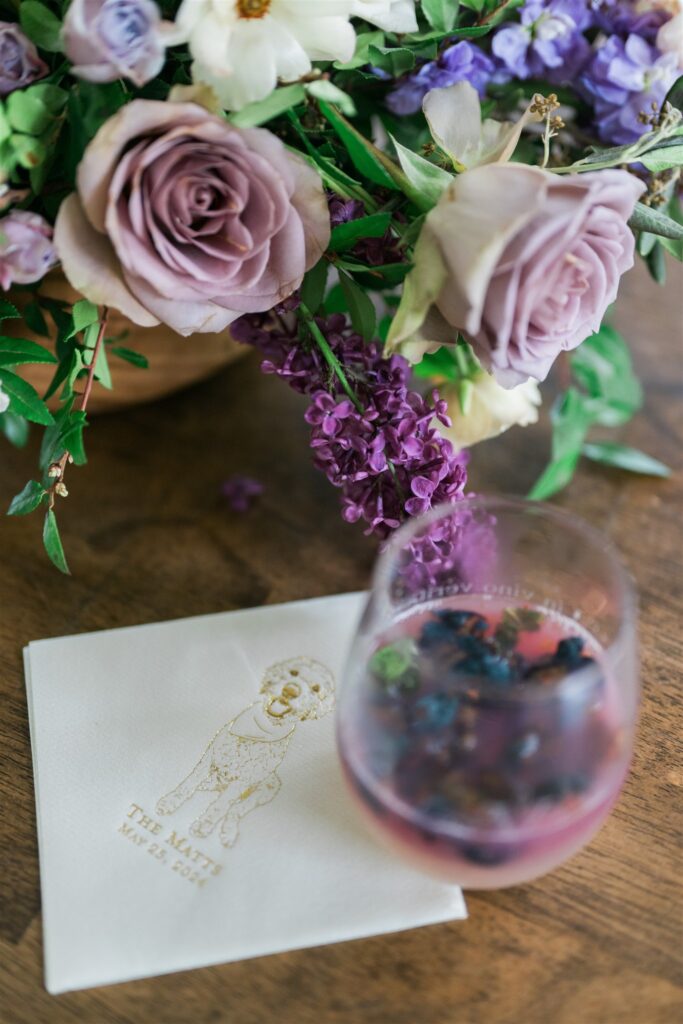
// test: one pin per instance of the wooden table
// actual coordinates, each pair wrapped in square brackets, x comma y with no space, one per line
[150,538]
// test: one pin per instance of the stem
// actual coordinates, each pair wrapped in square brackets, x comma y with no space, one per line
[64,458]
[332,361]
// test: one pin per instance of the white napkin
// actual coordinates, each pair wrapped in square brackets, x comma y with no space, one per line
[119,720]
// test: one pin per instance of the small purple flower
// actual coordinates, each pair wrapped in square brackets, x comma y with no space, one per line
[548,41]
[344,210]
[625,80]
[20,64]
[26,249]
[461,62]
[623,17]
[240,491]
[110,39]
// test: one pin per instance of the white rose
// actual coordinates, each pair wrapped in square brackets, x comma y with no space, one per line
[241,48]
[391,15]
[492,410]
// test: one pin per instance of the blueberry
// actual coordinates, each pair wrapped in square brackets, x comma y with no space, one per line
[434,634]
[496,667]
[569,650]
[435,711]
[463,621]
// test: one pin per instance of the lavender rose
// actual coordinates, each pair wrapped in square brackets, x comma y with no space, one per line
[26,250]
[19,61]
[525,262]
[183,219]
[110,39]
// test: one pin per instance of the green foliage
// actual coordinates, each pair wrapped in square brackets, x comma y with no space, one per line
[646,218]
[345,236]
[41,25]
[17,351]
[23,398]
[359,305]
[15,428]
[608,394]
[279,101]
[313,287]
[28,500]
[129,356]
[426,179]
[441,14]
[52,543]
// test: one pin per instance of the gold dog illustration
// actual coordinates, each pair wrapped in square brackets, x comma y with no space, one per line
[241,761]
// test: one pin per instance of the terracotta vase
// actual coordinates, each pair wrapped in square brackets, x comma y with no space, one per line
[174,362]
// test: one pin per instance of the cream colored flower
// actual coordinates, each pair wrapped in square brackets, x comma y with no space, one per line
[492,410]
[391,15]
[242,48]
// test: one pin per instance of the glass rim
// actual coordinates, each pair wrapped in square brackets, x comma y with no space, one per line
[624,582]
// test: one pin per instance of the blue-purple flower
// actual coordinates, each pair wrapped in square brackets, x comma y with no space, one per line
[624,17]
[110,39]
[461,62]
[547,42]
[627,81]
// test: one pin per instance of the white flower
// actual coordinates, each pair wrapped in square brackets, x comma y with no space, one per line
[454,118]
[492,409]
[242,47]
[4,400]
[391,15]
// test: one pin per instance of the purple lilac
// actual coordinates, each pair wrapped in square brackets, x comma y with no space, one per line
[625,80]
[547,42]
[389,461]
[620,17]
[461,62]
[240,491]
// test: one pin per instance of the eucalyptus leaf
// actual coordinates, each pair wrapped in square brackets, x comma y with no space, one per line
[623,457]
[28,499]
[645,218]
[663,158]
[52,543]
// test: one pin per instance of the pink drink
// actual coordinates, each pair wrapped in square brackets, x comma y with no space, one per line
[485,743]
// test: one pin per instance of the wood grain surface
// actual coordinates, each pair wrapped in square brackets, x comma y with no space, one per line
[149,538]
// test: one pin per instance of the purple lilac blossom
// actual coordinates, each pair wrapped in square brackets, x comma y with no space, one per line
[20,64]
[621,17]
[240,491]
[461,62]
[389,461]
[548,41]
[623,80]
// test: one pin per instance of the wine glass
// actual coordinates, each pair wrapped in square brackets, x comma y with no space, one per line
[486,720]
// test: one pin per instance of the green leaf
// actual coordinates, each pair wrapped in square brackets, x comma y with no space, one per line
[28,150]
[7,310]
[136,358]
[24,398]
[602,365]
[360,307]
[664,157]
[53,543]
[41,25]
[16,351]
[313,287]
[441,14]
[362,55]
[277,103]
[323,89]
[645,218]
[623,457]
[656,264]
[675,94]
[344,236]
[54,98]
[441,363]
[555,476]
[84,314]
[71,437]
[15,428]
[426,179]
[674,248]
[27,500]
[27,112]
[35,321]
[361,152]
[395,60]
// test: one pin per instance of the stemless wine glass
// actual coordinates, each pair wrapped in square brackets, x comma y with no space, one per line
[487,716]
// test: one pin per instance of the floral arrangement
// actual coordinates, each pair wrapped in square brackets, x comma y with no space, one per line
[414,210]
